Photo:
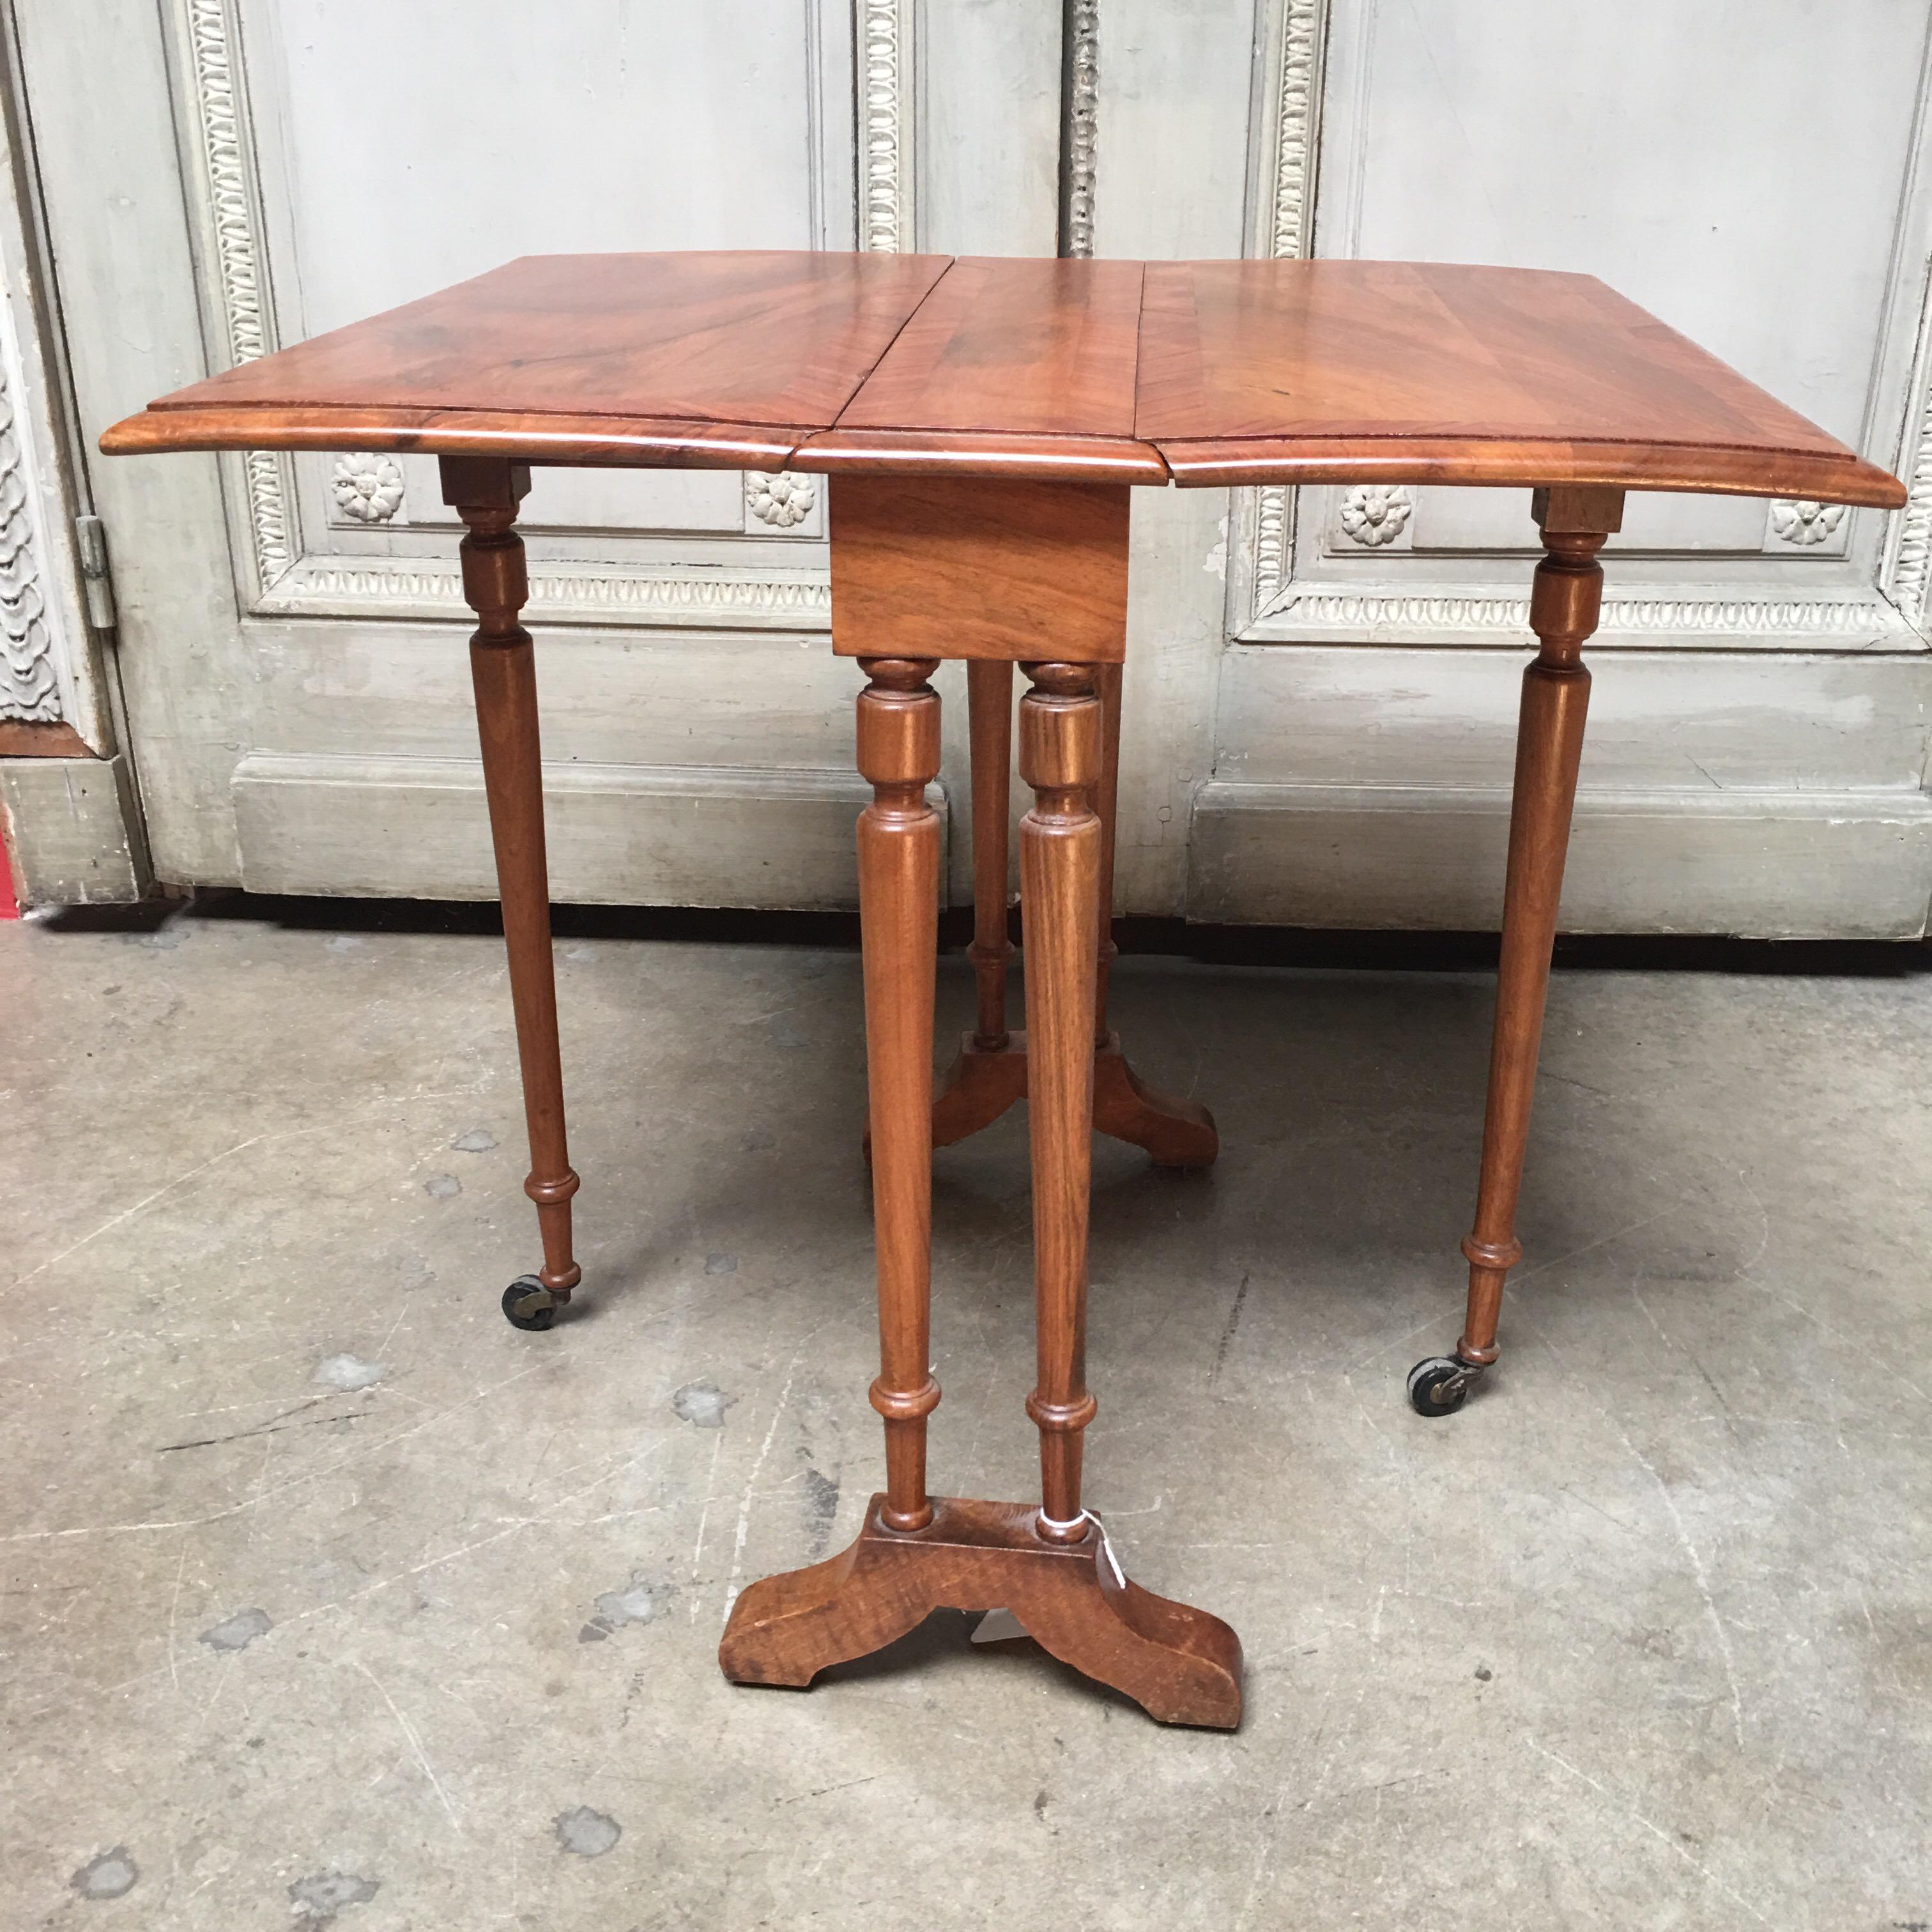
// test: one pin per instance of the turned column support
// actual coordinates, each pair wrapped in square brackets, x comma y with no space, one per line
[485,493]
[1061,730]
[989,694]
[898,902]
[998,561]
[1108,679]
[989,1073]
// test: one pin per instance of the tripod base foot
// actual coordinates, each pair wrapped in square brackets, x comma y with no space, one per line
[1181,1666]
[982,1082]
[1176,1132]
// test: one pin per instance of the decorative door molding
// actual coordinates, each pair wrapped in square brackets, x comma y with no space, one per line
[280,571]
[885,63]
[29,672]
[1272,601]
[1080,133]
[1905,581]
[48,670]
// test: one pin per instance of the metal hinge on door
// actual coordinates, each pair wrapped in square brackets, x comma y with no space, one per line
[97,581]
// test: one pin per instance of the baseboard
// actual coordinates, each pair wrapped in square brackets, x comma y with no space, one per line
[618,835]
[1759,865]
[74,830]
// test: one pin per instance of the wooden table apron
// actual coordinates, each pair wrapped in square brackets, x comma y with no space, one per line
[986,421]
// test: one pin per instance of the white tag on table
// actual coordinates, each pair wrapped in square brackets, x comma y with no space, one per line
[1107,1551]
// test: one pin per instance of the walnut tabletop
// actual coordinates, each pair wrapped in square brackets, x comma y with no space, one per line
[1202,373]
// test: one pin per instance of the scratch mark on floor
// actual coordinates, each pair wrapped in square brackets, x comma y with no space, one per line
[408,1731]
[274,1426]
[1690,1548]
[293,1482]
[704,1519]
[1229,1327]
[329,1126]
[1521,1274]
[174,1609]
[751,1482]
[1657,1832]
[824,1790]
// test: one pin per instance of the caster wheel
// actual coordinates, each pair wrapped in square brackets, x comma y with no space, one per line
[528,1303]
[1440,1385]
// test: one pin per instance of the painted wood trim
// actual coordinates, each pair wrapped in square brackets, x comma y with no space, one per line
[74,830]
[622,835]
[277,572]
[1759,865]
[1267,604]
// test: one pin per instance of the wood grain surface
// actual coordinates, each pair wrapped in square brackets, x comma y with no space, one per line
[965,567]
[1036,354]
[1211,373]
[1181,1665]
[1251,371]
[736,337]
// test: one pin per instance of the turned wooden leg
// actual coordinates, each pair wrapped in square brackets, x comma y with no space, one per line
[1050,1564]
[989,699]
[1563,610]
[485,493]
[1060,838]
[1052,1567]
[898,911]
[988,1074]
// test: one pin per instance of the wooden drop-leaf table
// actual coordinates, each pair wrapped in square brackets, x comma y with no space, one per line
[987,420]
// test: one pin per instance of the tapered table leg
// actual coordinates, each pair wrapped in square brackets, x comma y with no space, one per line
[1060,838]
[1563,610]
[898,907]
[989,700]
[1050,1565]
[989,1073]
[485,494]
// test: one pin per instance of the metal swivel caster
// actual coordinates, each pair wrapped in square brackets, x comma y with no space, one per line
[529,1304]
[1439,1385]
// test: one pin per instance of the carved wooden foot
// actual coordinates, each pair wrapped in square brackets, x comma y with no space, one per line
[1176,1132]
[1180,1665]
[978,1087]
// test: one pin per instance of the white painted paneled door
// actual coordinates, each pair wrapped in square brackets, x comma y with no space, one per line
[1321,685]
[225,176]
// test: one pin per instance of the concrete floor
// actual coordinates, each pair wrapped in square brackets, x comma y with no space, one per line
[331,1599]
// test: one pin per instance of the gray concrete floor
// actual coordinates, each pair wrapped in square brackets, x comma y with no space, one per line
[328,1597]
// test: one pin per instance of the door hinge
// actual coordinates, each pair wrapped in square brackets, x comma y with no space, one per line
[96,580]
